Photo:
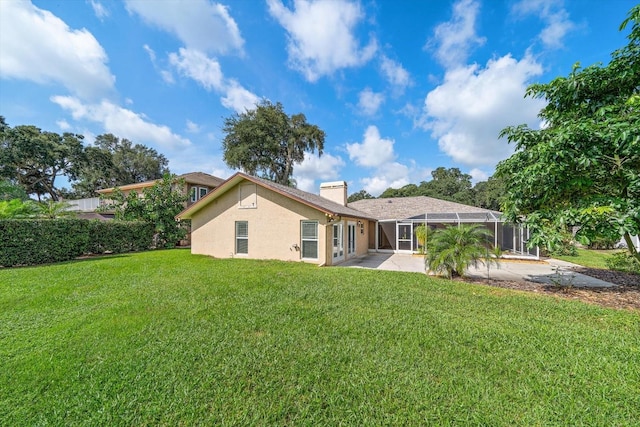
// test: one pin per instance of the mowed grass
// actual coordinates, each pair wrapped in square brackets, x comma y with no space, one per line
[590,257]
[168,338]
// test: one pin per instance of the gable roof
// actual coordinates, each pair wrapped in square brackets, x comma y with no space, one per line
[313,200]
[198,178]
[410,207]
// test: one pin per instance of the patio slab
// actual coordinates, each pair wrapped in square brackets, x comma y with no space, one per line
[550,272]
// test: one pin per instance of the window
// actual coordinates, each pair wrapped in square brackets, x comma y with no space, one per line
[197,193]
[242,237]
[309,234]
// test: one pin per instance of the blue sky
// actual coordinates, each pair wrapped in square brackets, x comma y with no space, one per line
[399,87]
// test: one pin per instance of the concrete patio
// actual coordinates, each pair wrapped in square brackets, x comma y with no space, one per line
[550,271]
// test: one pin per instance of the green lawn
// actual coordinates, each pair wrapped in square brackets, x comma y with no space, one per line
[167,338]
[590,257]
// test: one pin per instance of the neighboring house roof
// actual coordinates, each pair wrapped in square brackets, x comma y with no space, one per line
[313,200]
[198,178]
[411,207]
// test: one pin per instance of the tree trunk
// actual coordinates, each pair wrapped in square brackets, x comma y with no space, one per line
[631,247]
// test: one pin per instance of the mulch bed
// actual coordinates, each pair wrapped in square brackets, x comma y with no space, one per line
[625,296]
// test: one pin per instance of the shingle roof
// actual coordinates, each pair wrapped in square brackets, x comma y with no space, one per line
[199,178]
[409,207]
[312,199]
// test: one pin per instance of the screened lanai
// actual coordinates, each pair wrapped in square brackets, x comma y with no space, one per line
[398,218]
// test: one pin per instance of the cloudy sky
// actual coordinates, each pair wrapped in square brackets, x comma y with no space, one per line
[399,87]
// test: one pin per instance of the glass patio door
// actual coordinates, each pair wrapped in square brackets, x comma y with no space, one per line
[404,237]
[351,238]
[338,242]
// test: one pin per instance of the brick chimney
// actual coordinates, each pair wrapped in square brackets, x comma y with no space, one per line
[335,191]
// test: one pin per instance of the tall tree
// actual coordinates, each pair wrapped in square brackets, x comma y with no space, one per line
[583,167]
[488,194]
[33,158]
[266,141]
[112,162]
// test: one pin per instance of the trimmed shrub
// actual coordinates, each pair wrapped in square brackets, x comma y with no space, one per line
[41,241]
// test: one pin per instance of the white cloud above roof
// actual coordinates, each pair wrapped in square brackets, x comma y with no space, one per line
[122,122]
[321,36]
[555,17]
[395,74]
[369,102]
[313,169]
[38,46]
[373,151]
[199,24]
[469,109]
[452,40]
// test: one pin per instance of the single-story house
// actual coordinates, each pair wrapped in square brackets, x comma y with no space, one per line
[251,217]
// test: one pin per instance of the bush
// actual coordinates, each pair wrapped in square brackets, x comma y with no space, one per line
[41,241]
[623,261]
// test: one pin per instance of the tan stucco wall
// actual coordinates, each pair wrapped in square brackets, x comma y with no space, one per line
[274,228]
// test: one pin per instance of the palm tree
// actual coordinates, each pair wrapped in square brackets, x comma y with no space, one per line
[452,250]
[52,209]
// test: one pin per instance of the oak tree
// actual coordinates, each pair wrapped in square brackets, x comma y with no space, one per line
[267,142]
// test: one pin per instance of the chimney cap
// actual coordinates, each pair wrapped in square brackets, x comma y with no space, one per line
[333,184]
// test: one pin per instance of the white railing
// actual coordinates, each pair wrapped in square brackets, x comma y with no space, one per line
[84,205]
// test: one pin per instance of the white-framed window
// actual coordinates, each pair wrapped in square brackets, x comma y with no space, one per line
[197,193]
[242,237]
[309,239]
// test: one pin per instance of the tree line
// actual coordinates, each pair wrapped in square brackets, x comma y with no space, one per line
[34,160]
[448,184]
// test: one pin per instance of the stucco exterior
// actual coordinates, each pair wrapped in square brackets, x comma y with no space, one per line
[274,226]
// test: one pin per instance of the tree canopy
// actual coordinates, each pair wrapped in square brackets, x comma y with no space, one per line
[33,158]
[447,184]
[583,167]
[112,162]
[267,142]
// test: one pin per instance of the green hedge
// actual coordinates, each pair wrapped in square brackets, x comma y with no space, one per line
[41,241]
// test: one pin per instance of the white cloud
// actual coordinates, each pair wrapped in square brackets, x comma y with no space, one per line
[373,151]
[193,127]
[369,102]
[122,122]
[321,36]
[196,65]
[312,168]
[100,11]
[395,74]
[151,53]
[454,39]
[38,46]
[553,14]
[238,98]
[392,174]
[470,108]
[478,175]
[63,125]
[207,72]
[200,24]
